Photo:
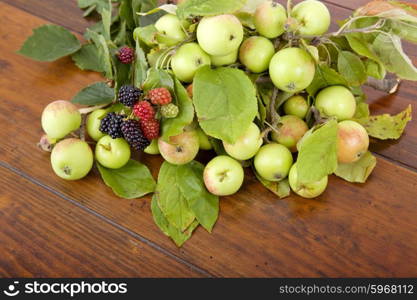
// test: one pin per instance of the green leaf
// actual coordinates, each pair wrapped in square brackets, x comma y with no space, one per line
[141,66]
[103,52]
[87,58]
[133,180]
[95,94]
[175,126]
[204,205]
[385,126]
[147,35]
[375,69]
[358,171]
[171,200]
[359,44]
[208,7]
[100,4]
[122,73]
[158,78]
[317,153]
[126,13]
[225,102]
[389,50]
[351,67]
[281,188]
[106,19]
[405,30]
[177,235]
[324,77]
[362,110]
[50,42]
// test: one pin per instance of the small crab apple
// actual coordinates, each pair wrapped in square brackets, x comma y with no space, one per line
[290,130]
[112,153]
[93,123]
[72,159]
[223,176]
[292,69]
[273,162]
[171,29]
[203,140]
[220,35]
[181,149]
[60,118]
[224,60]
[352,141]
[187,60]
[296,106]
[152,148]
[309,190]
[256,53]
[313,17]
[247,145]
[269,19]
[336,101]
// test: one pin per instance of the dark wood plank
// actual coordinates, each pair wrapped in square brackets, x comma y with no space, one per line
[347,232]
[43,235]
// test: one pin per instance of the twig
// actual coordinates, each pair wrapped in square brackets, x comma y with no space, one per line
[388,85]
[87,110]
[82,127]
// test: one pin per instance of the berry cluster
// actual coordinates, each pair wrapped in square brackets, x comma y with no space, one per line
[126,55]
[129,95]
[133,135]
[111,125]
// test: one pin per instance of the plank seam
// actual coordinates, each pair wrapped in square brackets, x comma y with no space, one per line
[396,162]
[107,220]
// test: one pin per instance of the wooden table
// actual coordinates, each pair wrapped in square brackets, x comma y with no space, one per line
[51,227]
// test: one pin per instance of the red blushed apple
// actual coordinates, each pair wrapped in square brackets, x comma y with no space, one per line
[352,141]
[181,149]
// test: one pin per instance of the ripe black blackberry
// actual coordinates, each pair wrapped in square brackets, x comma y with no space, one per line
[133,135]
[111,124]
[129,95]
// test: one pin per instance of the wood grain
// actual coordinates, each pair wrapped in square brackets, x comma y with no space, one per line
[43,236]
[352,230]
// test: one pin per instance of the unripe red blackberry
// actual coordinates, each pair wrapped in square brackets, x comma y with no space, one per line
[144,110]
[160,96]
[150,129]
[126,55]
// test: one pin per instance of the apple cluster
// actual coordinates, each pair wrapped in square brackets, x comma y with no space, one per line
[223,41]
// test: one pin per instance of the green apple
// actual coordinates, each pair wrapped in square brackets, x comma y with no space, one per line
[181,148]
[296,106]
[152,148]
[72,159]
[60,118]
[187,60]
[269,19]
[336,101]
[223,176]
[291,129]
[273,162]
[220,35]
[313,17]
[203,140]
[112,153]
[224,60]
[352,141]
[170,29]
[292,69]
[93,123]
[247,145]
[256,53]
[310,190]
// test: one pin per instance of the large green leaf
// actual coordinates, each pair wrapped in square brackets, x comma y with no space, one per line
[95,94]
[208,7]
[175,126]
[106,20]
[158,78]
[141,66]
[225,102]
[103,52]
[50,42]
[358,171]
[133,180]
[317,153]
[178,236]
[87,58]
[171,200]
[351,67]
[204,205]
[325,76]
[385,126]
[389,50]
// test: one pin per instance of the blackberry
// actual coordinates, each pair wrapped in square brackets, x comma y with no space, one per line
[129,95]
[126,55]
[133,135]
[110,125]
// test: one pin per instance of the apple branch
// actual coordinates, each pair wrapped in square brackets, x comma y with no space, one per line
[388,85]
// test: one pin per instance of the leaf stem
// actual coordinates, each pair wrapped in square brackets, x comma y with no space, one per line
[87,110]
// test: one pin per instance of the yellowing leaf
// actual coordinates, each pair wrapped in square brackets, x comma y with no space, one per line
[358,171]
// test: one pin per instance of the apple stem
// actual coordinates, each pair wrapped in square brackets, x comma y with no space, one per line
[82,127]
